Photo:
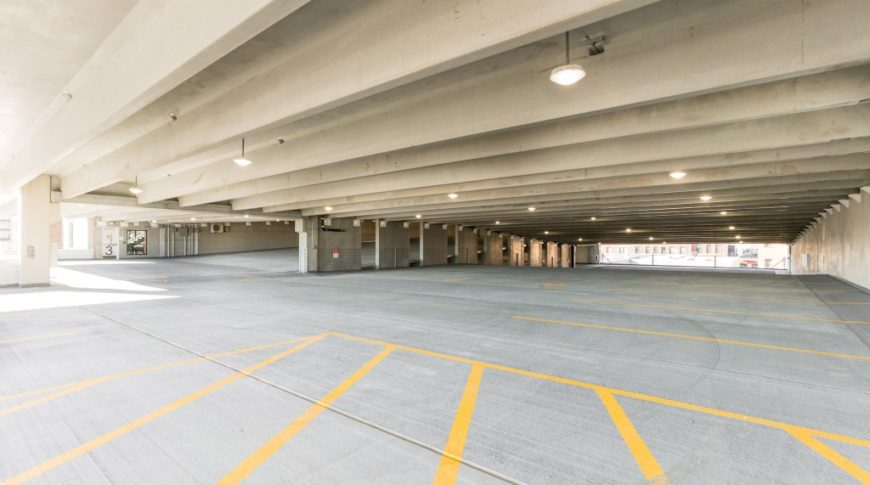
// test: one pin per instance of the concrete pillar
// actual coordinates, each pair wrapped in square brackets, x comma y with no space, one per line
[494,249]
[565,257]
[552,255]
[536,256]
[433,244]
[308,230]
[517,257]
[391,245]
[40,234]
[466,246]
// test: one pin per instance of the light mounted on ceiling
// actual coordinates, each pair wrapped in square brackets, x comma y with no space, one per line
[567,74]
[242,161]
[328,209]
[580,239]
[135,187]
[453,195]
[419,216]
[706,197]
[531,209]
[677,174]
[593,218]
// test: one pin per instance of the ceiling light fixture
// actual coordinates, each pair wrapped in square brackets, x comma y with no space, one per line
[677,174]
[567,74]
[193,218]
[242,161]
[627,229]
[247,216]
[419,216]
[723,213]
[531,209]
[731,228]
[664,242]
[737,236]
[546,232]
[652,238]
[135,187]
[453,195]
[706,197]
[497,222]
[328,209]
[593,218]
[580,239]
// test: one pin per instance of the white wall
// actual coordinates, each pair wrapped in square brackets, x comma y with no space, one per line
[839,245]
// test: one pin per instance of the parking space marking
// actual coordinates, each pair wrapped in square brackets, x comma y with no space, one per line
[834,457]
[719,296]
[648,464]
[153,415]
[252,462]
[553,285]
[66,389]
[37,337]
[451,458]
[615,328]
[744,418]
[786,316]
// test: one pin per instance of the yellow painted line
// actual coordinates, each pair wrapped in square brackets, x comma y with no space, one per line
[80,385]
[648,464]
[448,468]
[720,296]
[37,337]
[834,457]
[786,316]
[552,286]
[615,328]
[153,415]
[619,392]
[253,461]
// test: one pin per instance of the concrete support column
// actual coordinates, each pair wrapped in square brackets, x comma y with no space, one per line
[338,245]
[536,256]
[494,249]
[433,244]
[308,229]
[392,245]
[552,255]
[41,232]
[517,257]
[565,257]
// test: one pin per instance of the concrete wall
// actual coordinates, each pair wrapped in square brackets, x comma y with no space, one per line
[839,245]
[466,247]
[392,245]
[536,253]
[256,237]
[347,239]
[586,254]
[434,250]
[493,248]
[515,251]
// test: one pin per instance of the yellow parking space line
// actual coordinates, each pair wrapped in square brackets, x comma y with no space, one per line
[741,343]
[153,415]
[620,392]
[38,337]
[553,285]
[80,385]
[648,464]
[720,296]
[448,468]
[785,316]
[833,456]
[252,462]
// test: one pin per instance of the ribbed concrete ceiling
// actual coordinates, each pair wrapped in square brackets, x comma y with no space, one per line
[379,109]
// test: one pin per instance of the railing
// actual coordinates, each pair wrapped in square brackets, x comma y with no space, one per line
[695,260]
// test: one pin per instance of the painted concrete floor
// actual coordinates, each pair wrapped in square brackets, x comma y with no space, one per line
[208,369]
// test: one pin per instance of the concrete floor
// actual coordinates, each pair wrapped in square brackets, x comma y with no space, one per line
[710,377]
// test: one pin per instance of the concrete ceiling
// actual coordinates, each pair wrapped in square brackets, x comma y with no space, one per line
[379,109]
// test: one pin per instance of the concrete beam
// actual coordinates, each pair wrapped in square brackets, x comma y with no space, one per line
[158,45]
[828,90]
[422,39]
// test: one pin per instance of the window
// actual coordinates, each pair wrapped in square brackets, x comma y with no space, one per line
[137,242]
[5,230]
[75,233]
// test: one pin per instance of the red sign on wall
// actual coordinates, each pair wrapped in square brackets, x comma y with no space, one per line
[335,253]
